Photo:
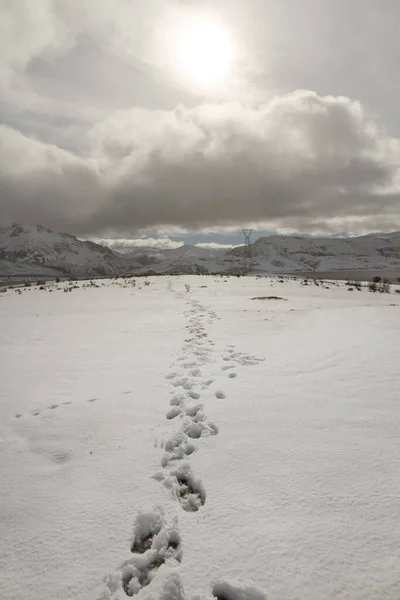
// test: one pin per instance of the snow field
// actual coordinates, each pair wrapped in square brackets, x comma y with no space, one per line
[211,445]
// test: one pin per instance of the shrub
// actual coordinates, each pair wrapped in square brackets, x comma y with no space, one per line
[384,287]
[377,279]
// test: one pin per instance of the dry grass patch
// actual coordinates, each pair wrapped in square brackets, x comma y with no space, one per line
[268,298]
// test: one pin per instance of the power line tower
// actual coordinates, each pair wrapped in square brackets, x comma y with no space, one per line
[248,251]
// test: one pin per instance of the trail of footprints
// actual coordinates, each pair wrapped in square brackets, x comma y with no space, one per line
[154,544]
[184,403]
[36,413]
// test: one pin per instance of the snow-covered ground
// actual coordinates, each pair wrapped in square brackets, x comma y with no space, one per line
[174,443]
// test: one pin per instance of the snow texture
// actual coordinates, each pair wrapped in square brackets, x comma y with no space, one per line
[134,465]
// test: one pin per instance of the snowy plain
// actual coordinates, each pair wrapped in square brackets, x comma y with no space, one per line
[165,442]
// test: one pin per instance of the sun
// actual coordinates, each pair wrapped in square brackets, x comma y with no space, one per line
[204,52]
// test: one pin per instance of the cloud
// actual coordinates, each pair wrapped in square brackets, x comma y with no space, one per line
[214,246]
[299,161]
[124,245]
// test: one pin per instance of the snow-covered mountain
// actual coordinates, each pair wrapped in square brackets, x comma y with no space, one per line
[36,251]
[287,254]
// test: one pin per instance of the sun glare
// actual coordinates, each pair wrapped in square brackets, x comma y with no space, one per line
[204,52]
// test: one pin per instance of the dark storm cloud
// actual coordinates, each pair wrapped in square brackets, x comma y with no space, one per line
[299,159]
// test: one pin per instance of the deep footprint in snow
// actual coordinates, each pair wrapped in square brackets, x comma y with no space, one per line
[232,375]
[220,395]
[189,497]
[190,492]
[135,578]
[226,591]
[147,526]
[178,453]
[152,546]
[196,427]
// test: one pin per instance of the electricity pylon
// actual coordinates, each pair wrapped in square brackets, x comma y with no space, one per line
[248,252]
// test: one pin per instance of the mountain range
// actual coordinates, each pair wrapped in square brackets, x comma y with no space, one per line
[28,252]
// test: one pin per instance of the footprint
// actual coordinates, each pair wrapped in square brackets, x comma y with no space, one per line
[228,367]
[60,456]
[190,492]
[18,416]
[196,373]
[170,375]
[207,383]
[53,406]
[173,588]
[174,412]
[177,400]
[69,402]
[94,399]
[191,411]
[138,572]
[220,395]
[35,414]
[147,526]
[226,591]
[179,453]
[194,395]
[185,383]
[232,375]
[197,427]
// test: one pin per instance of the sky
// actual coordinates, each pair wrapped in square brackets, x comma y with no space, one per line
[186,120]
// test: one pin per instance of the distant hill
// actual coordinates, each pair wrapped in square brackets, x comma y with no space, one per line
[36,251]
[286,254]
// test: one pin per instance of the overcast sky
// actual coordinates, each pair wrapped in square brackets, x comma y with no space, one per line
[170,117]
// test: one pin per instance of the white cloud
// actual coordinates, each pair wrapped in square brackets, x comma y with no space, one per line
[124,245]
[214,246]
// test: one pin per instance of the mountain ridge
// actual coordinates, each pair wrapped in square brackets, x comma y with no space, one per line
[33,250]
